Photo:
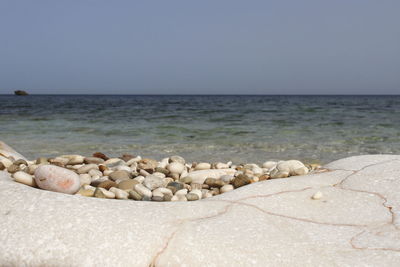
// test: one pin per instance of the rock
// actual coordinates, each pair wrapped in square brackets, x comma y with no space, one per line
[182,192]
[85,179]
[24,178]
[269,164]
[175,186]
[100,155]
[127,185]
[123,168]
[119,194]
[142,190]
[6,162]
[168,197]
[120,175]
[20,161]
[178,159]
[221,165]
[102,168]
[59,161]
[87,168]
[163,191]
[75,160]
[192,197]
[263,177]
[199,177]
[135,195]
[159,174]
[133,161]
[317,195]
[290,167]
[127,157]
[176,167]
[113,162]
[241,180]
[196,192]
[162,170]
[152,182]
[2,166]
[57,179]
[139,179]
[196,186]
[94,172]
[226,188]
[85,192]
[107,184]
[186,180]
[93,160]
[212,182]
[103,193]
[13,168]
[227,178]
[215,191]
[148,165]
[202,166]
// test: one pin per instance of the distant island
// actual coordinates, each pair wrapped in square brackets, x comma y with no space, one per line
[20,92]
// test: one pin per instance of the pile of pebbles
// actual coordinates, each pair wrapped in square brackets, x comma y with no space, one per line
[137,178]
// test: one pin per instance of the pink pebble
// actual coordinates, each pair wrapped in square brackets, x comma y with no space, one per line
[57,179]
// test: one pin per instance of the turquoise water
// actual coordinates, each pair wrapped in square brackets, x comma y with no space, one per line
[203,128]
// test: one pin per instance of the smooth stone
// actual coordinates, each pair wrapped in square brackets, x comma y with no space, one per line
[162,170]
[20,161]
[139,179]
[85,192]
[157,198]
[221,165]
[162,190]
[133,161]
[196,186]
[181,192]
[269,164]
[199,177]
[192,197]
[144,173]
[226,188]
[175,186]
[135,195]
[178,159]
[227,178]
[168,197]
[87,168]
[107,184]
[196,192]
[57,179]
[202,166]
[147,164]
[144,191]
[127,184]
[31,169]
[13,168]
[119,194]
[94,172]
[2,166]
[100,155]
[152,182]
[24,178]
[85,179]
[113,162]
[159,174]
[103,193]
[212,182]
[176,167]
[75,160]
[292,167]
[123,168]
[120,175]
[264,177]
[241,180]
[186,180]
[317,195]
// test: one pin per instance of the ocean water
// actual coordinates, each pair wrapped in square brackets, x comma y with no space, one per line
[203,128]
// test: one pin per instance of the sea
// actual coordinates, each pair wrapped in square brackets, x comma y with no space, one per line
[211,128]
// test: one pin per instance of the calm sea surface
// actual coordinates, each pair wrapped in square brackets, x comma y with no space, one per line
[203,128]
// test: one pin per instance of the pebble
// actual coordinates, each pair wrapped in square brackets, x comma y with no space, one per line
[85,179]
[114,162]
[241,180]
[142,190]
[178,159]
[148,164]
[24,178]
[85,192]
[135,195]
[57,179]
[75,160]
[42,160]
[119,194]
[186,180]
[100,155]
[176,167]
[202,166]
[317,195]
[120,175]
[226,188]
[107,184]
[127,184]
[175,186]
[269,164]
[103,193]
[140,179]
[87,168]
[2,166]
[94,172]
[13,168]
[212,182]
[196,192]
[192,197]
[152,182]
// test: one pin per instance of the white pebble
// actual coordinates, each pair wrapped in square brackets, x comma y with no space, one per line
[24,178]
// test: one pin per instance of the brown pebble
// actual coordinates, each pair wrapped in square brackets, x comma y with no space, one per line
[100,155]
[107,184]
[127,157]
[99,194]
[135,195]
[102,168]
[20,161]
[167,197]
[93,160]
[215,191]
[212,182]
[241,180]
[85,192]
[157,198]
[127,184]
[264,177]
[2,167]
[162,170]
[13,168]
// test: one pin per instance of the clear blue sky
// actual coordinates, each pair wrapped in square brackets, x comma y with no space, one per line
[200,47]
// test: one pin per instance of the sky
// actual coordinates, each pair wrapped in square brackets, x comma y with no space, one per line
[200,47]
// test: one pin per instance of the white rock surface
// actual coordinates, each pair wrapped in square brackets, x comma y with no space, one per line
[269,223]
[200,176]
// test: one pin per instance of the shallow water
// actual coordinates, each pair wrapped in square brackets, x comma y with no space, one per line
[203,128]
